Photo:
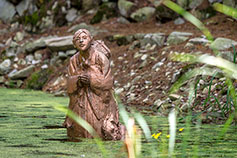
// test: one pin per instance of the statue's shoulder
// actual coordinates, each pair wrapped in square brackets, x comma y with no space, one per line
[100,46]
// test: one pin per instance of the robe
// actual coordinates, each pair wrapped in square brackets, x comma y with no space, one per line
[94,102]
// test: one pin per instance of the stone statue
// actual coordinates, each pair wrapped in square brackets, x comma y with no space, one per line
[90,88]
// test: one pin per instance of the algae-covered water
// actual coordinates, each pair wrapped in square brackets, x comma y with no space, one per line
[31,127]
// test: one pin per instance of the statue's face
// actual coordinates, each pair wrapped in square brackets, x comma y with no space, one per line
[83,41]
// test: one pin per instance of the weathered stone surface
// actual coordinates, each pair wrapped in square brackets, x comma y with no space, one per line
[7,11]
[179,21]
[23,6]
[19,36]
[153,38]
[89,4]
[71,15]
[60,43]
[143,14]
[199,41]
[33,46]
[24,73]
[71,52]
[122,20]
[231,3]
[93,30]
[228,55]
[5,66]
[222,43]
[178,37]
[2,79]
[125,7]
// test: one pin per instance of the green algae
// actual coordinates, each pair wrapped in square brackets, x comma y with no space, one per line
[31,127]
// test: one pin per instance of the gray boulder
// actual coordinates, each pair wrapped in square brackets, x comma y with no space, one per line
[153,38]
[71,15]
[35,45]
[222,44]
[93,30]
[21,74]
[60,43]
[199,40]
[125,7]
[178,37]
[5,66]
[143,14]
[7,11]
[23,6]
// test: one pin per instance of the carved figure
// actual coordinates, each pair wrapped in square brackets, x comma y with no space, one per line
[90,90]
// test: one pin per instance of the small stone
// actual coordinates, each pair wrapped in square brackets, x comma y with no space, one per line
[119,90]
[143,14]
[5,66]
[148,82]
[131,97]
[71,52]
[45,66]
[29,59]
[179,21]
[174,97]
[19,36]
[122,20]
[144,57]
[222,44]
[38,55]
[157,65]
[2,79]
[62,55]
[120,58]
[21,62]
[21,73]
[199,41]
[71,15]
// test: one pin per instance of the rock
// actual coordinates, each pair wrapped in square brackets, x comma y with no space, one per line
[222,44]
[122,39]
[106,10]
[21,62]
[195,3]
[176,76]
[35,45]
[178,37]
[231,3]
[143,14]
[228,55]
[19,36]
[153,38]
[3,31]
[144,57]
[158,103]
[125,7]
[23,6]
[7,11]
[135,44]
[5,66]
[164,14]
[89,4]
[93,30]
[157,65]
[24,73]
[131,97]
[179,21]
[29,59]
[71,15]
[122,20]
[62,55]
[183,3]
[174,97]
[71,52]
[60,43]
[2,79]
[119,90]
[38,55]
[199,41]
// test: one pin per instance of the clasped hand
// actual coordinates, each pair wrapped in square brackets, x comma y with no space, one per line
[83,79]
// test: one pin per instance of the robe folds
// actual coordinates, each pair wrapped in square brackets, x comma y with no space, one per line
[94,102]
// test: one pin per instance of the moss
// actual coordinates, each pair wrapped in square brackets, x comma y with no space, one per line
[38,79]
[107,10]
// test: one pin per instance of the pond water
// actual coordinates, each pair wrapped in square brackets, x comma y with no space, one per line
[31,127]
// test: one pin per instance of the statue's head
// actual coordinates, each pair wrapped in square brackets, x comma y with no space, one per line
[82,39]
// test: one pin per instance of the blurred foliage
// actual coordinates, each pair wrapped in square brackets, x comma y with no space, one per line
[38,79]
